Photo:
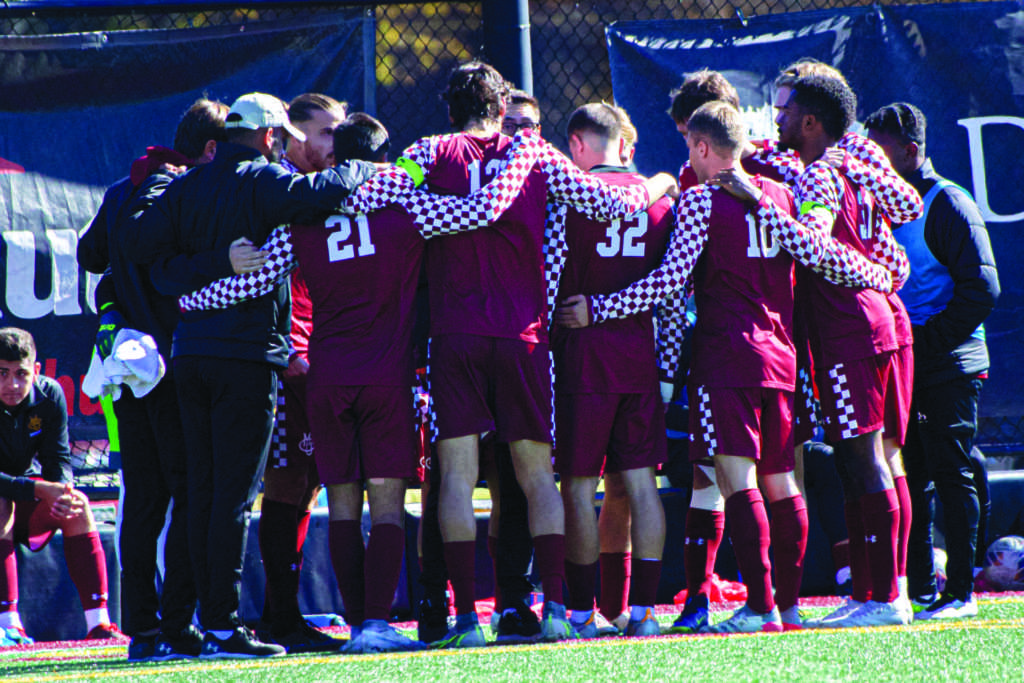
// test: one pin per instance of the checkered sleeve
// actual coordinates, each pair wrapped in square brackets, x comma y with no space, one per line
[237,288]
[889,253]
[815,248]
[691,233]
[587,193]
[436,215]
[389,186]
[867,165]
[671,330]
[556,250]
[786,162]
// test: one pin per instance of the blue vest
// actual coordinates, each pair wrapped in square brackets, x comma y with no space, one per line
[930,287]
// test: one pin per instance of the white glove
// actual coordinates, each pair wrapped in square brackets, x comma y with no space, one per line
[667,390]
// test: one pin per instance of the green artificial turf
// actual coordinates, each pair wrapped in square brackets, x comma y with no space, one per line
[988,648]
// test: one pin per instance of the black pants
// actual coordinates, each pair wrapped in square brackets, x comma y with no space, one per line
[152,475]
[937,456]
[227,413]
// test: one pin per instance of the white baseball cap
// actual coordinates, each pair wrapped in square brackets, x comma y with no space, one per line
[260,110]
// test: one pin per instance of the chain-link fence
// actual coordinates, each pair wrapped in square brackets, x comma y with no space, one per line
[417,45]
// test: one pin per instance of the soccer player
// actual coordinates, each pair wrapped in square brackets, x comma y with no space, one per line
[291,482]
[743,370]
[854,337]
[34,428]
[607,397]
[489,362]
[953,287]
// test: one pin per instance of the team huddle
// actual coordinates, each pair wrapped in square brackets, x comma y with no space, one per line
[488,308]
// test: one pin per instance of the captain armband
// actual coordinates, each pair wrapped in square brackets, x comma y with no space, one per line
[414,170]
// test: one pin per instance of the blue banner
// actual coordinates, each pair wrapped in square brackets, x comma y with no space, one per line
[962,64]
[78,108]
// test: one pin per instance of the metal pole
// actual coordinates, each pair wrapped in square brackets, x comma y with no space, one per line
[507,40]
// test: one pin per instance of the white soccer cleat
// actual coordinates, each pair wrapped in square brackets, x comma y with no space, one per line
[829,620]
[746,620]
[874,613]
[947,607]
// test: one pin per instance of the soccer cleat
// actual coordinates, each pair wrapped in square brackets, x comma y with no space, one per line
[105,632]
[827,621]
[433,621]
[923,602]
[518,624]
[142,648]
[378,635]
[302,637]
[621,622]
[241,644]
[184,644]
[14,635]
[746,620]
[792,619]
[693,618]
[948,607]
[554,625]
[465,633]
[640,628]
[873,613]
[596,626]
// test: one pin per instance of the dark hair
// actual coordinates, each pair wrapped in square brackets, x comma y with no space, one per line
[523,97]
[597,117]
[829,100]
[202,122]
[901,120]
[475,91]
[361,136]
[16,345]
[721,125]
[302,107]
[697,88]
[806,66]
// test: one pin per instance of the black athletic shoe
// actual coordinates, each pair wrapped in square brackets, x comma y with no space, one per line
[141,648]
[301,636]
[184,644]
[242,644]
[518,623]
[433,620]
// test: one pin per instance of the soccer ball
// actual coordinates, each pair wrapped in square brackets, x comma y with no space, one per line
[1004,564]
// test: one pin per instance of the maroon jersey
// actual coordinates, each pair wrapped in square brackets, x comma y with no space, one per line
[302,315]
[603,257]
[767,161]
[361,272]
[743,288]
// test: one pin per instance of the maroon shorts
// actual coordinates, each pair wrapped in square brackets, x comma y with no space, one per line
[364,432]
[489,384]
[598,433]
[755,423]
[853,396]
[292,443]
[805,406]
[33,525]
[898,392]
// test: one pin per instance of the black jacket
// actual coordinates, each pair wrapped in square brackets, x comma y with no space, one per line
[956,235]
[36,431]
[186,233]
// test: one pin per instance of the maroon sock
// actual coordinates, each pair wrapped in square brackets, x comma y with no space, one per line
[860,571]
[87,566]
[581,580]
[277,538]
[460,558]
[549,556]
[789,544]
[345,538]
[382,568]
[748,521]
[881,514]
[615,581]
[643,590]
[906,517]
[8,577]
[704,532]
[492,551]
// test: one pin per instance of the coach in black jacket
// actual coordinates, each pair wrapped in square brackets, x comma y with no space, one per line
[225,361]
[953,287]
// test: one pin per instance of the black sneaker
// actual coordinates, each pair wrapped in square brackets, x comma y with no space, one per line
[141,648]
[303,637]
[183,644]
[518,624]
[433,620]
[242,644]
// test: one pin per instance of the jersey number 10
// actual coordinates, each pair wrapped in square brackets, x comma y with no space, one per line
[760,244]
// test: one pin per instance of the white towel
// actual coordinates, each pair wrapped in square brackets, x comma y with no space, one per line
[135,362]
